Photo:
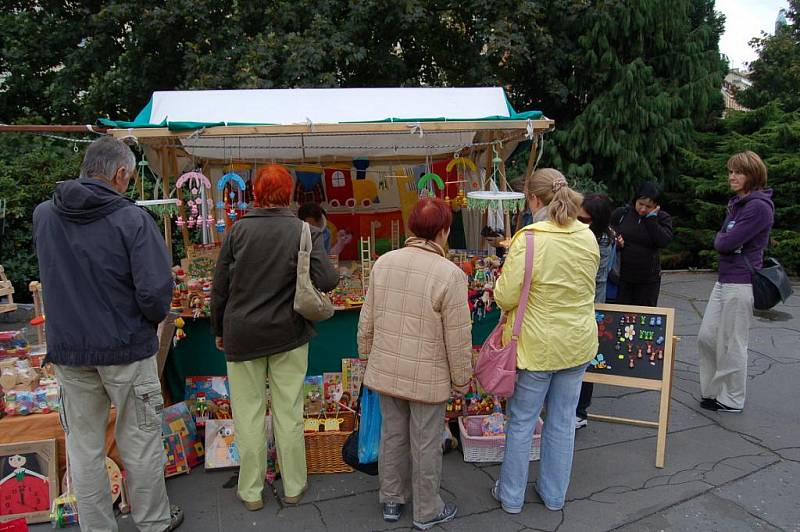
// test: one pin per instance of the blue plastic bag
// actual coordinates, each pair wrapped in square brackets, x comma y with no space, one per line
[369,432]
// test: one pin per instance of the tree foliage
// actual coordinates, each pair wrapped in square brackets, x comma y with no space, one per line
[644,74]
[29,168]
[775,74]
[626,82]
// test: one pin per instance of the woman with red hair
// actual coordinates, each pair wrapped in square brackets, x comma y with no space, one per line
[255,324]
[415,328]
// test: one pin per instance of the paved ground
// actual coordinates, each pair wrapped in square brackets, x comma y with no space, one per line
[723,472]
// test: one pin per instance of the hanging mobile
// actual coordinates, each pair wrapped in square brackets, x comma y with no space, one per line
[196,180]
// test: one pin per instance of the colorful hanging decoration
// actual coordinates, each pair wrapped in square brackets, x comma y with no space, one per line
[493,199]
[461,165]
[195,182]
[425,185]
[236,198]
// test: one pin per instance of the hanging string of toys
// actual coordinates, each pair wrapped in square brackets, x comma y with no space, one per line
[196,183]
[230,206]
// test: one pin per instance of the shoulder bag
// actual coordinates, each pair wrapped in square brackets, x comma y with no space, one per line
[309,302]
[770,283]
[496,369]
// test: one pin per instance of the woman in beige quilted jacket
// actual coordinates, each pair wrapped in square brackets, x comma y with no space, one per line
[415,329]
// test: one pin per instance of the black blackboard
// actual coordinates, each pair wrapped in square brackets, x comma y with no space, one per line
[633,341]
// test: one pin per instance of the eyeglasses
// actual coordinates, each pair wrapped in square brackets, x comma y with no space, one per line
[585,219]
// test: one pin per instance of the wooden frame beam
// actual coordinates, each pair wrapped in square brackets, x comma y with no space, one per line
[142,134]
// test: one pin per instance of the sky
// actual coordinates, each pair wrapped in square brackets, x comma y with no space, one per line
[745,19]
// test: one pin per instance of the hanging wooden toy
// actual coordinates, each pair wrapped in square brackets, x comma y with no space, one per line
[461,165]
[426,183]
[236,198]
[196,181]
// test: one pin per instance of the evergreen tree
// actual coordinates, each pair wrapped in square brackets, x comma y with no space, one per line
[775,74]
[643,74]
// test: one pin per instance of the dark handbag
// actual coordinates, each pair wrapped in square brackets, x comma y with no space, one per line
[770,284]
[350,448]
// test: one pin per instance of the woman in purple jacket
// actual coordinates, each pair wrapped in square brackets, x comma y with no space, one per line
[722,341]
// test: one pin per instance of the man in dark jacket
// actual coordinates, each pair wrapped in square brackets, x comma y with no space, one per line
[642,231]
[107,275]
[724,333]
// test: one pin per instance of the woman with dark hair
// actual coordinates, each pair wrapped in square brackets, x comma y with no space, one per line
[740,242]
[643,229]
[596,211]
[252,313]
[415,329]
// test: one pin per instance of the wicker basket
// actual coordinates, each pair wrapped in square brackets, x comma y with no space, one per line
[324,449]
[480,448]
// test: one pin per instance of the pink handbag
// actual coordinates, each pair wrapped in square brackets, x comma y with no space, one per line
[496,369]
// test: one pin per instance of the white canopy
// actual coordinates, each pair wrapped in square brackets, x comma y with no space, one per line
[329,124]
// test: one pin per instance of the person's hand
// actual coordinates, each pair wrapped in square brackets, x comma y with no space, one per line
[461,389]
[654,212]
[218,342]
[620,241]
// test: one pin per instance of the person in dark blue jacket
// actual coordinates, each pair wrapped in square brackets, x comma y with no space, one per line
[106,272]
[643,230]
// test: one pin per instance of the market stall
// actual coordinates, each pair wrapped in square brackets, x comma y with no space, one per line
[363,155]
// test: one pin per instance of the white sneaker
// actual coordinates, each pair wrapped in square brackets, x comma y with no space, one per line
[580,422]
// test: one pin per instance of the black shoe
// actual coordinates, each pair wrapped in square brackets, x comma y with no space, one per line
[726,408]
[392,511]
[708,403]
[175,517]
[447,514]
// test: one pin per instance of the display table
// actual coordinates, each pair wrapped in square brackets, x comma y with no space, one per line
[16,429]
[335,340]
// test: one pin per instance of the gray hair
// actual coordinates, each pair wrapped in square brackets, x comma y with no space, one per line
[105,156]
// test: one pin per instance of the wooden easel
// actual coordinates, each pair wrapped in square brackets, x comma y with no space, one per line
[663,386]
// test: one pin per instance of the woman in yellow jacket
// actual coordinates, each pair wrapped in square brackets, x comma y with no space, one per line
[558,339]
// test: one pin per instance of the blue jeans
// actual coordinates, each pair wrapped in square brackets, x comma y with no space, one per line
[558,391]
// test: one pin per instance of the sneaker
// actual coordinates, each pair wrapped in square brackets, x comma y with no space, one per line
[505,508]
[726,408]
[709,404]
[447,514]
[295,499]
[251,506]
[392,511]
[175,517]
[580,422]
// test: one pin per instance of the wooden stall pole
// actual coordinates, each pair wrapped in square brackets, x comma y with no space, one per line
[212,233]
[504,188]
[173,158]
[165,170]
[488,163]
[528,170]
